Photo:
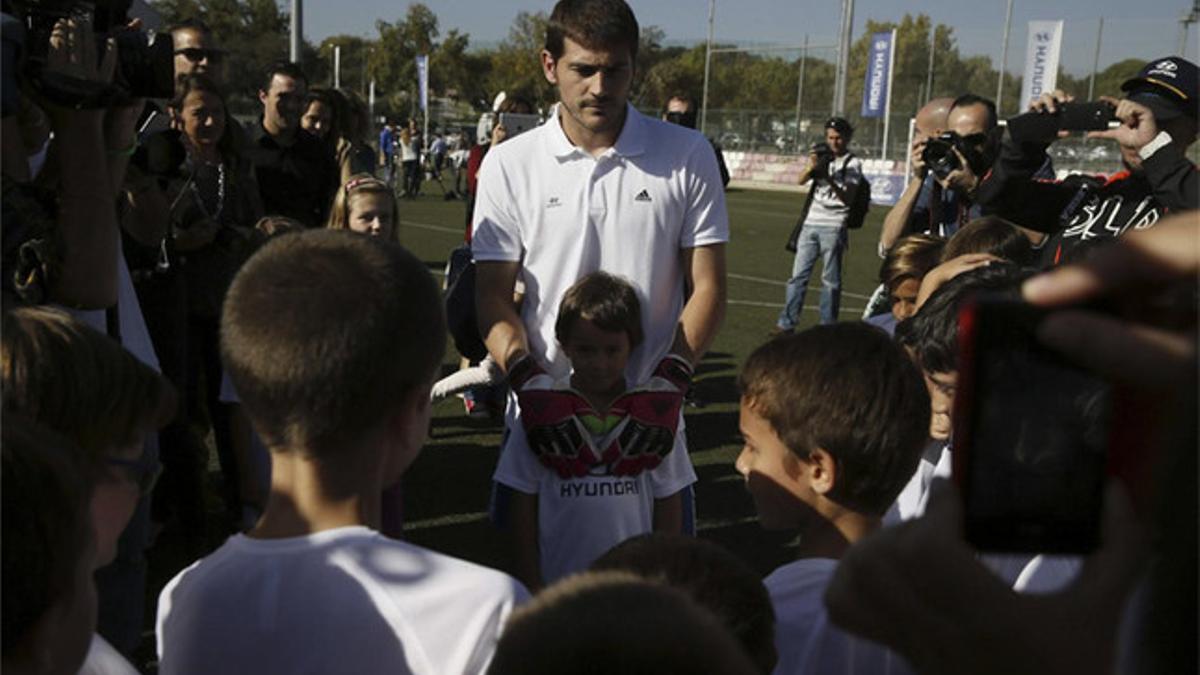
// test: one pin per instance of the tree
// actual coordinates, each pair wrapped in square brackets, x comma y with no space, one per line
[516,63]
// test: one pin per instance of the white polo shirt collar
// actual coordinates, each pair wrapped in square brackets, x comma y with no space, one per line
[631,142]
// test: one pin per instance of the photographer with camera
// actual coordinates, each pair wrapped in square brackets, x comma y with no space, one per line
[836,174]
[948,163]
[1155,124]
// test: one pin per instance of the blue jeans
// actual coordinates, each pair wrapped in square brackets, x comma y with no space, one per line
[827,243]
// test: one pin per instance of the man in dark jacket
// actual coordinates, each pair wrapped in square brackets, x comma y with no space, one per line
[1158,122]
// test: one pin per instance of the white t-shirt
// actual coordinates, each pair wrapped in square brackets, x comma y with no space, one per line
[910,503]
[581,518]
[807,641]
[104,659]
[826,209]
[346,600]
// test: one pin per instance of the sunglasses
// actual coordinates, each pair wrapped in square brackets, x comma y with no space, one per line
[196,54]
[143,471]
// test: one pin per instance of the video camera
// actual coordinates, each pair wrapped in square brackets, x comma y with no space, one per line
[683,119]
[145,60]
[940,158]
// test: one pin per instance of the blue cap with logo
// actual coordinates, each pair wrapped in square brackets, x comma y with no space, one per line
[1168,86]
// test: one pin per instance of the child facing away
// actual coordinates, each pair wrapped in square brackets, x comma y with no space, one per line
[332,341]
[833,421]
[562,518]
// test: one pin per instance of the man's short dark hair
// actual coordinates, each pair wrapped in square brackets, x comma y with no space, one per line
[932,332]
[990,234]
[840,125]
[849,390]
[713,576]
[192,24]
[972,99]
[45,520]
[324,332]
[604,299]
[287,68]
[594,24]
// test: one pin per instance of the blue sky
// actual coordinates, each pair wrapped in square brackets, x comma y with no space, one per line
[1142,29]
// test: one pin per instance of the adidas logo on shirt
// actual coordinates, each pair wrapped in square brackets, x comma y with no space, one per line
[643,196]
[554,201]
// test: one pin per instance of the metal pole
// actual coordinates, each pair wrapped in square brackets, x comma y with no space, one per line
[712,9]
[297,30]
[800,88]
[337,66]
[1003,59]
[929,71]
[839,90]
[1095,61]
[887,103]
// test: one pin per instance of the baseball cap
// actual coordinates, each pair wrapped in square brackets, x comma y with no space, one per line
[1168,86]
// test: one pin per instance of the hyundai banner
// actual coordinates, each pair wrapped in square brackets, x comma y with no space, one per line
[1041,60]
[879,66]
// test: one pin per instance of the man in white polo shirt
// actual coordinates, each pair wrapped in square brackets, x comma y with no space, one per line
[599,186]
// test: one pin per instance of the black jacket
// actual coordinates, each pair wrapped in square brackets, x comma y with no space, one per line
[1081,210]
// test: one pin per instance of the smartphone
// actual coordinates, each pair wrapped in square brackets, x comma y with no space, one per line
[1031,435]
[517,123]
[1094,116]
[1038,127]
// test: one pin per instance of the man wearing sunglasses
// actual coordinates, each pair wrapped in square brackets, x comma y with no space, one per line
[940,204]
[196,51]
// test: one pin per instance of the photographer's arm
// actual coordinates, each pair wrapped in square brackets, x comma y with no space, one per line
[895,223]
[87,216]
[806,174]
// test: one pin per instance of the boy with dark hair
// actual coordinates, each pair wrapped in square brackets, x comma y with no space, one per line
[616,622]
[49,551]
[833,420]
[568,507]
[990,234]
[332,341]
[712,576]
[931,336]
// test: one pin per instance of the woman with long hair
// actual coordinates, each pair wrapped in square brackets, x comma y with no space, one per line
[209,204]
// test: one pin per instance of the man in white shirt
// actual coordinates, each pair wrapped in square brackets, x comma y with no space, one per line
[835,174]
[600,186]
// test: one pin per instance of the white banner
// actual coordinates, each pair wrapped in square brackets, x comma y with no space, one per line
[423,80]
[1041,60]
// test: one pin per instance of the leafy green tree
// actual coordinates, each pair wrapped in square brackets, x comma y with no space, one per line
[516,63]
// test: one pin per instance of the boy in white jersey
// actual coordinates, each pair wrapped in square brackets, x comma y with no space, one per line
[332,341]
[570,507]
[833,420]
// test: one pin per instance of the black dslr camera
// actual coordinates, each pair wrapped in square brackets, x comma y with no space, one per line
[825,157]
[145,60]
[940,158]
